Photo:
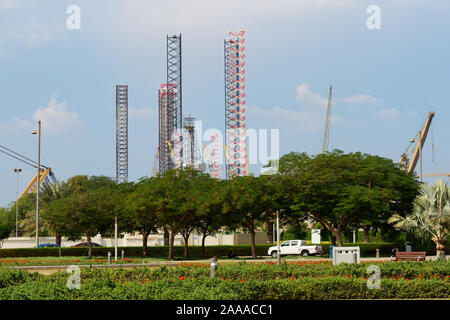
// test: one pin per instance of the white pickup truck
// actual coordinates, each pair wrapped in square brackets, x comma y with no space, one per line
[294,247]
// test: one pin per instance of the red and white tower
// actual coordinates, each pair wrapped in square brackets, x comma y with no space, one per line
[235,104]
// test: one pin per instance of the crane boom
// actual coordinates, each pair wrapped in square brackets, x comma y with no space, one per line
[45,172]
[411,165]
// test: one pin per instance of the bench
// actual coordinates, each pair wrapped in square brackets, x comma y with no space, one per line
[410,256]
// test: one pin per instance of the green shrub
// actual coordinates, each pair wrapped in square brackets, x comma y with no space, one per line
[239,281]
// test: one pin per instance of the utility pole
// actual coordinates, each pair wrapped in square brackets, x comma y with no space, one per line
[115,238]
[17,200]
[420,154]
[278,240]
[38,133]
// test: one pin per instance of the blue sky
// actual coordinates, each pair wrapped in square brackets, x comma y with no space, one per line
[385,81]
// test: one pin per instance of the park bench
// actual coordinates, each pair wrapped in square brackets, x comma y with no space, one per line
[410,256]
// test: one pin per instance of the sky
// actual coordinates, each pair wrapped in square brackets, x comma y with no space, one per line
[385,81]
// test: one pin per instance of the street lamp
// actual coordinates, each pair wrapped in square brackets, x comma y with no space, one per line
[17,199]
[38,133]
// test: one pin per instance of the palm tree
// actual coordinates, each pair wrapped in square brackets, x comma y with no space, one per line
[49,193]
[430,216]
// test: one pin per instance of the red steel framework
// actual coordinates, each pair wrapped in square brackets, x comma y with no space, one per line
[235,104]
[168,132]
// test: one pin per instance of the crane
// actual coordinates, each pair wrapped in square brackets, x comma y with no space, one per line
[45,171]
[410,164]
[326,134]
[440,174]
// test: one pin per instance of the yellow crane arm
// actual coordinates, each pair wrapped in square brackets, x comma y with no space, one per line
[442,174]
[422,138]
[33,185]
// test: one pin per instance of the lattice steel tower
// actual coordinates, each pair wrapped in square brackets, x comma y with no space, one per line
[121,133]
[235,104]
[171,110]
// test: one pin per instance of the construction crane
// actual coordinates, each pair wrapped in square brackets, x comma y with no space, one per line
[45,171]
[408,163]
[326,134]
[441,174]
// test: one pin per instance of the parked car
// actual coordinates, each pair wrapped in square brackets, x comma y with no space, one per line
[48,245]
[85,244]
[295,247]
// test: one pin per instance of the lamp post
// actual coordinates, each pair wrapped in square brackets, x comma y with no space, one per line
[17,200]
[278,240]
[38,133]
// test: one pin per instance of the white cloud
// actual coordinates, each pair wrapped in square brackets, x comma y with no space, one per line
[304,94]
[388,114]
[359,99]
[55,119]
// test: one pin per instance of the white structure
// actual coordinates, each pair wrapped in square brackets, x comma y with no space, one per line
[135,240]
[315,236]
[346,255]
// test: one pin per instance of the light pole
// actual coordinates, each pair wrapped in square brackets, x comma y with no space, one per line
[278,240]
[17,199]
[38,133]
[420,154]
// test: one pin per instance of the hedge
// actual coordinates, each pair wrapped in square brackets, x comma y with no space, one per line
[367,249]
[243,281]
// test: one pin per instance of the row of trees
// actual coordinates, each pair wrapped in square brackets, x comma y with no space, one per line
[335,189]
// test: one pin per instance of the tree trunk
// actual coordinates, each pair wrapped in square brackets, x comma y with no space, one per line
[203,244]
[166,236]
[366,234]
[89,245]
[270,232]
[145,235]
[338,236]
[252,234]
[58,238]
[440,249]
[171,241]
[186,245]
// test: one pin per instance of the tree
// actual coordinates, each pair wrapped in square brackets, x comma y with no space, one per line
[142,208]
[209,205]
[88,209]
[338,189]
[51,192]
[430,216]
[7,223]
[245,202]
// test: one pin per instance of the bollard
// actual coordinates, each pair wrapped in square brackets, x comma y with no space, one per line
[123,254]
[109,257]
[213,267]
[378,253]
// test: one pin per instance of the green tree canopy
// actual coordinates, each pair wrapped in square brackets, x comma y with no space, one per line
[338,189]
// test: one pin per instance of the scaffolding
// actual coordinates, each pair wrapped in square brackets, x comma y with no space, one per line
[234,52]
[121,133]
[171,110]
